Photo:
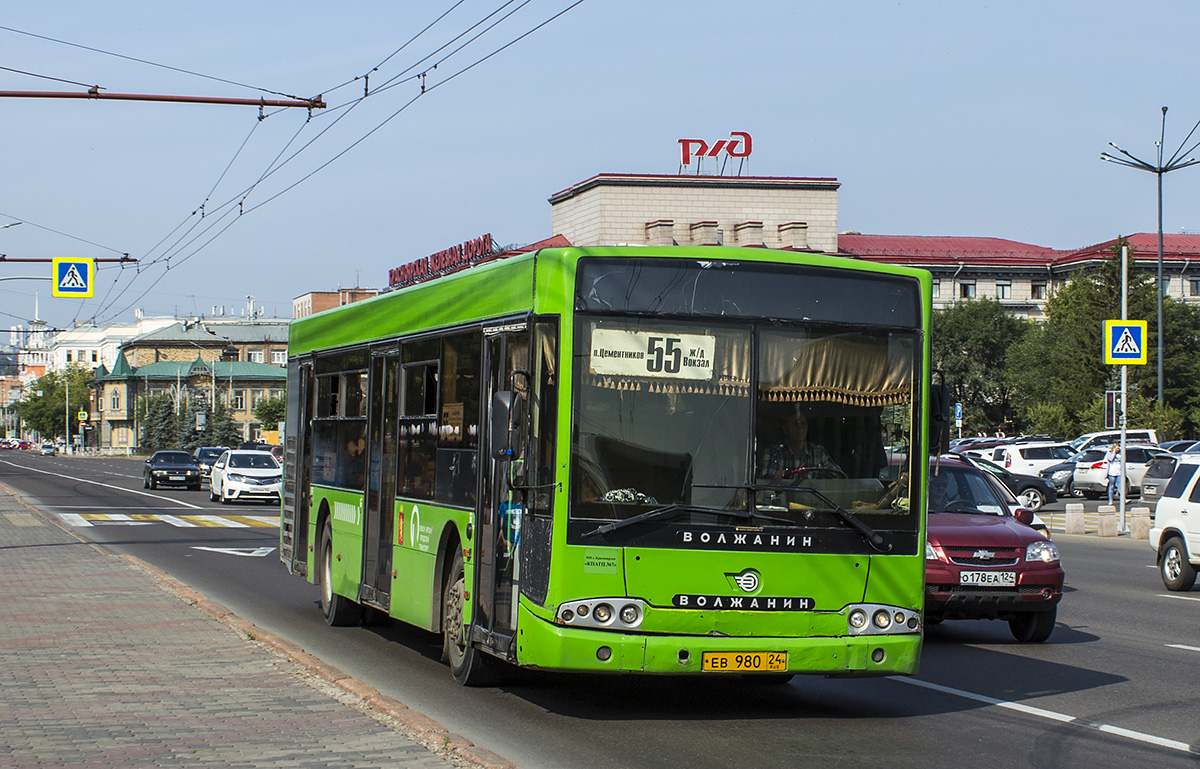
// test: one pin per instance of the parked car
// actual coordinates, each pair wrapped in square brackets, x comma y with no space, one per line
[1177,446]
[171,468]
[245,474]
[1175,534]
[206,456]
[1029,458]
[48,449]
[1109,437]
[1062,475]
[1091,475]
[1158,474]
[1033,492]
[982,559]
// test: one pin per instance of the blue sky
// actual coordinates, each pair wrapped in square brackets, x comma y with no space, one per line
[938,119]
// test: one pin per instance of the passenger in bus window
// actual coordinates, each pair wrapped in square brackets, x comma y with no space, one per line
[795,451]
[354,463]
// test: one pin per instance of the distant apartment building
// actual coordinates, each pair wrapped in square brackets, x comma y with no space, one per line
[319,301]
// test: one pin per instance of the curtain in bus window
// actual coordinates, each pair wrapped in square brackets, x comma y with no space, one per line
[851,369]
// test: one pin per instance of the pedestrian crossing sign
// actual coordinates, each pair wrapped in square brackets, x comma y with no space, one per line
[1125,342]
[74,277]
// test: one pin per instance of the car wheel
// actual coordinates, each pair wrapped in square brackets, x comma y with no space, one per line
[153,485]
[221,494]
[468,665]
[212,495]
[1031,499]
[1074,492]
[1177,574]
[339,611]
[145,482]
[1033,627]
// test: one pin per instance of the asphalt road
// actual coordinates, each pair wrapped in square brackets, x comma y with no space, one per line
[1115,686]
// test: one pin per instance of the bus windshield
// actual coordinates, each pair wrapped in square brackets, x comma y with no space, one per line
[800,424]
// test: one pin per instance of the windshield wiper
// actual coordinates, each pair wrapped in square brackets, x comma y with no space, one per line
[744,514]
[874,538]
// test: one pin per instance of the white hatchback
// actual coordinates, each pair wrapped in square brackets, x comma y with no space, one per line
[245,474]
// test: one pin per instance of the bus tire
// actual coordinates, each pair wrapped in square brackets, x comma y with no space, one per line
[468,665]
[339,611]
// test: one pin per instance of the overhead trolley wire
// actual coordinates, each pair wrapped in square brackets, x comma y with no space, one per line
[149,63]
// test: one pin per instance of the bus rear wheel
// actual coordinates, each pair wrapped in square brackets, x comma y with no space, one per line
[468,665]
[339,611]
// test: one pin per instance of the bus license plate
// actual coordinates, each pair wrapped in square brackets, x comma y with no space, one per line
[740,662]
[999,578]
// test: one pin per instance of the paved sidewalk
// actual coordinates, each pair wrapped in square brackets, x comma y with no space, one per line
[104,662]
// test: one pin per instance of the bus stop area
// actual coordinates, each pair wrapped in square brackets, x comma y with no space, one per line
[106,661]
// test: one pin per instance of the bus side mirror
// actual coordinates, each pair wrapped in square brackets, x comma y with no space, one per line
[939,419]
[508,414]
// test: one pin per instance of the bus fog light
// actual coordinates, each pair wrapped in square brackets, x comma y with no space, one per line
[568,615]
[882,619]
[877,656]
[912,623]
[899,618]
[602,613]
[582,609]
[629,614]
[603,653]
[858,619]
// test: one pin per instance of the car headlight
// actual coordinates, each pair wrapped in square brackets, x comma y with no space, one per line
[235,477]
[1042,551]
[930,553]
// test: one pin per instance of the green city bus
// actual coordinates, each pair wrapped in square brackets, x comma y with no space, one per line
[663,460]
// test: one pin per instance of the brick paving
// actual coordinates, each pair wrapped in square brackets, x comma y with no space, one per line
[101,665]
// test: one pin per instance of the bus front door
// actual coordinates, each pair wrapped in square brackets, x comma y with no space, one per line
[498,540]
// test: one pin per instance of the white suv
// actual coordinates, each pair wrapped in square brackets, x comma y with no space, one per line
[1175,535]
[1109,437]
[1029,458]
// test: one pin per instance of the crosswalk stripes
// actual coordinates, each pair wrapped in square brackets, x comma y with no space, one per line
[181,521]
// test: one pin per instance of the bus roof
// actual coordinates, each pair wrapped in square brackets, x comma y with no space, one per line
[532,281]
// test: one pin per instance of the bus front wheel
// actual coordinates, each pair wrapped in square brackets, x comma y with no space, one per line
[468,665]
[339,611]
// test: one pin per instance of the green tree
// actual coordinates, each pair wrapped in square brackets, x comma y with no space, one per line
[1058,369]
[47,413]
[271,411]
[222,430]
[157,416]
[970,343]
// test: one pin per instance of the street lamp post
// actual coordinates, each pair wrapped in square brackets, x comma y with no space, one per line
[1174,163]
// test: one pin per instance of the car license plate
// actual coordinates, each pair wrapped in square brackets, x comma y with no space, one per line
[1148,489]
[175,478]
[740,662]
[998,578]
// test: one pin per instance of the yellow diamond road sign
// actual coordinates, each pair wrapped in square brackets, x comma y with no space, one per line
[73,276]
[1125,342]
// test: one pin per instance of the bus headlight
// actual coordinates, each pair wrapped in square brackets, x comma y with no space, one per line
[881,619]
[599,614]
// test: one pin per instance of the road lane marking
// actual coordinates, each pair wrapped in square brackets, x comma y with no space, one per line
[105,485]
[1185,647]
[245,552]
[1051,715]
[1178,597]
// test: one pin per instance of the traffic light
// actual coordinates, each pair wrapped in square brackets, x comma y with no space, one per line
[1112,409]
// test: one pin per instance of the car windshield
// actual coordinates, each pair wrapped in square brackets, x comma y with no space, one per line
[210,453]
[172,458]
[263,461]
[963,490]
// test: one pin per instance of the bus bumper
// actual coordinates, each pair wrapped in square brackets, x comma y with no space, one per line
[545,645]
